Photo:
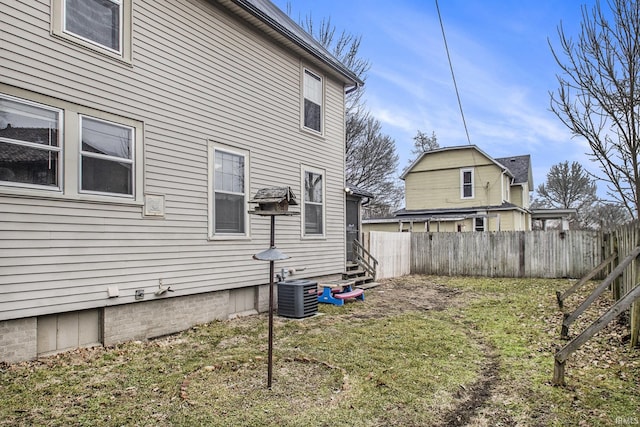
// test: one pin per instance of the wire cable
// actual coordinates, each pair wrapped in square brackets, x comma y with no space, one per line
[453,76]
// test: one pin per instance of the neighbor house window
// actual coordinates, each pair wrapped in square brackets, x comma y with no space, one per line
[230,184]
[107,162]
[104,25]
[30,144]
[312,108]
[479,224]
[466,183]
[313,203]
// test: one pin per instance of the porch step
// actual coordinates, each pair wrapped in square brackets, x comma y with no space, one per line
[352,266]
[369,285]
[359,281]
[353,274]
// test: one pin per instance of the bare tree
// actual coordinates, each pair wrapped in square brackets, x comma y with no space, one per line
[599,94]
[423,143]
[606,216]
[371,163]
[568,187]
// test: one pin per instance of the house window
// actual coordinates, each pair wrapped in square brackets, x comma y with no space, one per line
[229,202]
[313,203]
[103,25]
[107,162]
[30,144]
[479,224]
[312,108]
[97,21]
[48,144]
[466,183]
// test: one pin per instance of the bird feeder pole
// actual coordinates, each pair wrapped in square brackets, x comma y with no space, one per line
[272,202]
[272,243]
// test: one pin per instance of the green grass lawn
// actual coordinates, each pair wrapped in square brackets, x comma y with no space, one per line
[420,351]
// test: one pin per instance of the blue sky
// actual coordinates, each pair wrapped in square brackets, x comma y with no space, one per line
[503,67]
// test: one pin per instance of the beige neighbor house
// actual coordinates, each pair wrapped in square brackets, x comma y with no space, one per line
[462,189]
[133,134]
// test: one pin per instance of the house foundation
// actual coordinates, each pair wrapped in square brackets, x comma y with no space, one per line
[29,338]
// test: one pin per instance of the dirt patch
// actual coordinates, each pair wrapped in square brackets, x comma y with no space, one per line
[416,293]
[471,399]
[408,293]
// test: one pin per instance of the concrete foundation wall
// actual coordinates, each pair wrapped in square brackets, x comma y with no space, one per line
[18,340]
[21,339]
[156,318]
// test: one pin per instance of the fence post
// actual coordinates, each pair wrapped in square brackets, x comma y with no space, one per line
[522,263]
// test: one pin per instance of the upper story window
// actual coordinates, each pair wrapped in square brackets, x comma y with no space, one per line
[30,144]
[229,174]
[107,157]
[507,191]
[312,95]
[313,208]
[102,25]
[97,21]
[97,157]
[466,184]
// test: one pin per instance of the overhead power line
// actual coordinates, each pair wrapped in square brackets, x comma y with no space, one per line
[453,76]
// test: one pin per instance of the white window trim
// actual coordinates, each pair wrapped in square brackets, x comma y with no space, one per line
[131,161]
[70,148]
[59,149]
[302,98]
[126,29]
[323,173]
[212,146]
[484,223]
[462,172]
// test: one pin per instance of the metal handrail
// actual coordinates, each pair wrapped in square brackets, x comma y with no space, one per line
[364,258]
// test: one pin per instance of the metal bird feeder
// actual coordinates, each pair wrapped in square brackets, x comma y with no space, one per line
[272,202]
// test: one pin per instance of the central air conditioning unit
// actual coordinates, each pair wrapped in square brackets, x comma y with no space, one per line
[297,298]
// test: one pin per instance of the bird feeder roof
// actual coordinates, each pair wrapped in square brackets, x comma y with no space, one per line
[274,195]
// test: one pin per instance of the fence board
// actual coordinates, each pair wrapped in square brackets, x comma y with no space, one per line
[393,252]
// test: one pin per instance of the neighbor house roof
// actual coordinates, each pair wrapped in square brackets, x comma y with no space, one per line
[269,18]
[455,211]
[455,148]
[520,167]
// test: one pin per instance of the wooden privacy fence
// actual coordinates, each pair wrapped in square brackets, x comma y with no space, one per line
[545,254]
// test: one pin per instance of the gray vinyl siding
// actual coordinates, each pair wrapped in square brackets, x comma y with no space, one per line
[198,74]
